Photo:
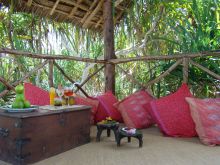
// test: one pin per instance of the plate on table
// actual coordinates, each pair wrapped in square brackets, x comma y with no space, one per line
[8,108]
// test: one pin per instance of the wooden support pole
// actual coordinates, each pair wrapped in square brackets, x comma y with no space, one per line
[50,77]
[205,70]
[185,70]
[164,74]
[109,50]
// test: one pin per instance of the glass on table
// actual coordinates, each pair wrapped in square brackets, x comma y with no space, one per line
[68,91]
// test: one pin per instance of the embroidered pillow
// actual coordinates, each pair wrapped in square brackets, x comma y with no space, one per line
[36,95]
[106,108]
[206,115]
[87,101]
[172,114]
[133,112]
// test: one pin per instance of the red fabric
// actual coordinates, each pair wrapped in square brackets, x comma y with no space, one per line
[106,108]
[172,114]
[36,95]
[206,115]
[87,101]
[133,110]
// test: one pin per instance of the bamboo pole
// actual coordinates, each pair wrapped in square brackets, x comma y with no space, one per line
[164,74]
[89,77]
[71,80]
[9,86]
[185,70]
[49,56]
[25,77]
[205,69]
[50,77]
[130,77]
[111,61]
[164,57]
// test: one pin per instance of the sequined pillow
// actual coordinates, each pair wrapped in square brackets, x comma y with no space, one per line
[134,111]
[172,114]
[206,115]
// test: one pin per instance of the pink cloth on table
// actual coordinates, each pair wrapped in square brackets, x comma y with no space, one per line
[172,114]
[206,115]
[36,95]
[133,110]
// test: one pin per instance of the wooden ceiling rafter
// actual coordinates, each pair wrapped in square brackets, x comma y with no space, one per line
[74,9]
[98,7]
[83,13]
[54,7]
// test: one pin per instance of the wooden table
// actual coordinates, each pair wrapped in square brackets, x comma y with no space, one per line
[29,137]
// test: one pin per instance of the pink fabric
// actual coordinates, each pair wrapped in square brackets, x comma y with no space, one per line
[133,110]
[106,108]
[172,114]
[206,115]
[36,95]
[87,101]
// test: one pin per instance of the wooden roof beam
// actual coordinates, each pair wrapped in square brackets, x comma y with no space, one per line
[29,3]
[117,2]
[83,7]
[89,11]
[74,9]
[54,7]
[98,7]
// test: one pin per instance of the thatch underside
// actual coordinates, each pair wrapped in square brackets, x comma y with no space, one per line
[84,13]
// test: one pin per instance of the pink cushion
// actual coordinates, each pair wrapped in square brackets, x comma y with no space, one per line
[133,112]
[172,114]
[36,95]
[206,115]
[106,108]
[87,101]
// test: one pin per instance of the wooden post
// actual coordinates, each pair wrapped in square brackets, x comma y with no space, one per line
[185,70]
[109,50]
[51,73]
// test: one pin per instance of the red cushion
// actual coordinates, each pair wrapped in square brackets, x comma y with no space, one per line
[87,101]
[172,114]
[106,108]
[206,115]
[133,111]
[36,95]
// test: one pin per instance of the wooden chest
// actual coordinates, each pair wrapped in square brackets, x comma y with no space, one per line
[29,137]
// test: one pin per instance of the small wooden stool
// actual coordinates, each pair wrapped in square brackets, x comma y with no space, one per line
[138,135]
[107,126]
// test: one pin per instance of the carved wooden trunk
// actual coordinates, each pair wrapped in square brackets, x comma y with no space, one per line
[29,137]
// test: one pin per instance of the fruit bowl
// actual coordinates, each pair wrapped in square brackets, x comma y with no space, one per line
[8,108]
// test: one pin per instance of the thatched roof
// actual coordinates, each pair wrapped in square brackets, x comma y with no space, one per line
[84,13]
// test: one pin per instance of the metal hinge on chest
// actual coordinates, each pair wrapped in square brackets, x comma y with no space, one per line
[19,146]
[4,132]
[62,119]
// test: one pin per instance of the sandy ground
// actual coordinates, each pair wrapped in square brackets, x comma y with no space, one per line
[156,150]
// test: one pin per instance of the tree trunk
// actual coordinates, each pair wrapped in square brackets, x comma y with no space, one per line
[109,50]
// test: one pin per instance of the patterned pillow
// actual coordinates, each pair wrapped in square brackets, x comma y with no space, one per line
[87,101]
[36,95]
[133,112]
[206,115]
[172,114]
[106,108]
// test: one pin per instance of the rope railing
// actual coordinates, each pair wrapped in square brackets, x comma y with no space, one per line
[181,59]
